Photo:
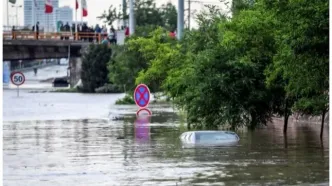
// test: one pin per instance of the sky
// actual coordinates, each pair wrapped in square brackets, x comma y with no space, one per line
[97,7]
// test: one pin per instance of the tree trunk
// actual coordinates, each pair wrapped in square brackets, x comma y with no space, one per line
[286,122]
[322,125]
[286,116]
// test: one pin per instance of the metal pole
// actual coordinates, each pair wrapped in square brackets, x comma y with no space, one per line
[18,91]
[35,17]
[189,3]
[48,28]
[7,12]
[180,18]
[124,12]
[75,20]
[81,11]
[131,17]
[68,53]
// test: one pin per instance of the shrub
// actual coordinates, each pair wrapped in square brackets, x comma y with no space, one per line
[94,67]
[108,88]
[127,100]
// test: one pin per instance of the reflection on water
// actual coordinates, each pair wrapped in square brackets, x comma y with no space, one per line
[105,152]
[142,130]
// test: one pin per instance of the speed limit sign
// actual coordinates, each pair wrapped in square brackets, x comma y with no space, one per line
[17,78]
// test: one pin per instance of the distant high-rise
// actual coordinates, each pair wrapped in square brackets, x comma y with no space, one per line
[46,21]
[64,14]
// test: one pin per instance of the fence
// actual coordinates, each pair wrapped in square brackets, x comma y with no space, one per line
[86,36]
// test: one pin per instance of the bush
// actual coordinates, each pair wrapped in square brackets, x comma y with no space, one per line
[127,100]
[94,67]
[66,90]
[108,88]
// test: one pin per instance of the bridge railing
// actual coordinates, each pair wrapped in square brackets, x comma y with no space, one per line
[85,36]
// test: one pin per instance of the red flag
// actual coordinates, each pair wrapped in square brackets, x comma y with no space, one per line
[84,8]
[76,4]
[48,7]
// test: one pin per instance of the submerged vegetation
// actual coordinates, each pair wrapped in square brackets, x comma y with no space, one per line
[270,58]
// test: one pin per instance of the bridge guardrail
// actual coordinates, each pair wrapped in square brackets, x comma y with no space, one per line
[87,36]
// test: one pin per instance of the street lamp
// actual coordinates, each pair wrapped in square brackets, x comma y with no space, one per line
[17,7]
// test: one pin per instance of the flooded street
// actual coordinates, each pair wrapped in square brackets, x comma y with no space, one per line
[53,139]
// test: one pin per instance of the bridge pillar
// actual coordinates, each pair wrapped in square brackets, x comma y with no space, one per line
[75,66]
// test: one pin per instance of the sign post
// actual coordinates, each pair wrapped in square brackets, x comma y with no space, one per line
[17,79]
[142,100]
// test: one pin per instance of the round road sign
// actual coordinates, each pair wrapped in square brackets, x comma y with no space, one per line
[142,95]
[17,78]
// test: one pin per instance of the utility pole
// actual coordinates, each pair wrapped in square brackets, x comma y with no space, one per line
[131,17]
[180,19]
[124,12]
[189,3]
[7,13]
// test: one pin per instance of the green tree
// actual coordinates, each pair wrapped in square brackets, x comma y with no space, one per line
[111,15]
[94,67]
[146,13]
[219,80]
[134,57]
[124,66]
[302,58]
[239,5]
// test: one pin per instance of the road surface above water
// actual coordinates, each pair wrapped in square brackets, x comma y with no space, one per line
[53,139]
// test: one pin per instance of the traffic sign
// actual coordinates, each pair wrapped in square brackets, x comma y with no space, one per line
[17,78]
[142,95]
[143,112]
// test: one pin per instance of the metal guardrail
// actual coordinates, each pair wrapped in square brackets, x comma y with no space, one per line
[24,35]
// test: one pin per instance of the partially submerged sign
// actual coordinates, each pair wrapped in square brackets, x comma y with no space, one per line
[142,95]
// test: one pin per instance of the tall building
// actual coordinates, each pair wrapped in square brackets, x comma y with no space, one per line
[46,21]
[64,14]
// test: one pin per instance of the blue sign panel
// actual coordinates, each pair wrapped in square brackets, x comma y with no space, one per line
[142,95]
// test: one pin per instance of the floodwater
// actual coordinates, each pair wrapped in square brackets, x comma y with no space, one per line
[53,139]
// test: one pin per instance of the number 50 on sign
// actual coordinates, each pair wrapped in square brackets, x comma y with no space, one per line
[18,78]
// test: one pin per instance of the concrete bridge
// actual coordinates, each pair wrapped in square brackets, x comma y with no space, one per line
[18,45]
[47,49]
[42,49]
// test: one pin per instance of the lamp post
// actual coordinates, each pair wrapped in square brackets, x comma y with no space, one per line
[17,7]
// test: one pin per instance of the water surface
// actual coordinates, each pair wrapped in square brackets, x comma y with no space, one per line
[68,139]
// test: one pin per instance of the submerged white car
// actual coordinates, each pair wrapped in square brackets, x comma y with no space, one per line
[209,138]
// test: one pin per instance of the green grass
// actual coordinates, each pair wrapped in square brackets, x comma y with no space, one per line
[129,100]
[66,90]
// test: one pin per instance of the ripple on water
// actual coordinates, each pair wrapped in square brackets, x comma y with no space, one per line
[105,152]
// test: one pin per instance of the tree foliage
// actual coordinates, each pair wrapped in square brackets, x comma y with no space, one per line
[270,58]
[146,14]
[94,67]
